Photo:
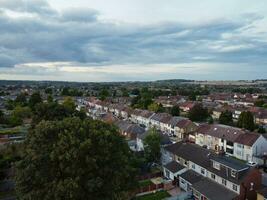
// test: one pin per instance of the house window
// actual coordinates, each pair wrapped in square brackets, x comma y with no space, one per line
[167,173]
[193,166]
[213,176]
[202,171]
[234,187]
[216,165]
[224,182]
[229,143]
[230,151]
[233,173]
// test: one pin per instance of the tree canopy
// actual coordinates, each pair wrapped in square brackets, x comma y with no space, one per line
[175,111]
[74,159]
[246,120]
[34,100]
[226,118]
[198,113]
[152,146]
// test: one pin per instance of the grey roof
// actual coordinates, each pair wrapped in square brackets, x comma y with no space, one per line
[174,167]
[202,157]
[191,176]
[123,125]
[213,191]
[135,129]
[220,131]
[192,152]
[229,162]
[175,120]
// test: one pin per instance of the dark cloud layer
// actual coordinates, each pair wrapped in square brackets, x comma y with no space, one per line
[42,34]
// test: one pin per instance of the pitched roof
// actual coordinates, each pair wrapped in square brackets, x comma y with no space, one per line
[184,123]
[191,176]
[174,167]
[191,152]
[229,162]
[174,120]
[161,117]
[135,129]
[220,131]
[247,139]
[213,191]
[202,157]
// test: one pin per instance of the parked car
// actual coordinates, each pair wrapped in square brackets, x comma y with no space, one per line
[252,164]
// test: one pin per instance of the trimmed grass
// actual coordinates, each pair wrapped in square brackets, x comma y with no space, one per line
[14,130]
[154,196]
[145,183]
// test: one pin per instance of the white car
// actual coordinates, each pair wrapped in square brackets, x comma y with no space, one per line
[251,163]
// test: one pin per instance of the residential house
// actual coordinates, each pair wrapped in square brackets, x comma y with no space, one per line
[223,177]
[260,115]
[159,121]
[233,141]
[250,146]
[130,131]
[187,106]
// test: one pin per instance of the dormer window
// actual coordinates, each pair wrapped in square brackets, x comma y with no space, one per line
[216,165]
[233,173]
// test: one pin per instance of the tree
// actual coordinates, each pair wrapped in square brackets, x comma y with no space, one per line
[246,120]
[198,113]
[35,99]
[226,118]
[152,146]
[103,94]
[49,91]
[155,107]
[22,112]
[74,159]
[50,98]
[69,104]
[21,99]
[175,111]
[125,92]
[259,103]
[261,130]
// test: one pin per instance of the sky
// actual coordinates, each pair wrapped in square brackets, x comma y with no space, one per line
[129,40]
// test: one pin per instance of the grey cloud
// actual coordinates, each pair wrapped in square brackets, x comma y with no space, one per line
[80,15]
[78,36]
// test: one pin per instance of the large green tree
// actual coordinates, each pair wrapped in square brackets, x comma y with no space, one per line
[226,118]
[175,111]
[152,146]
[246,120]
[198,113]
[74,159]
[35,99]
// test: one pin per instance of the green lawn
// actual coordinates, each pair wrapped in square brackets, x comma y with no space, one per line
[154,196]
[14,130]
[145,183]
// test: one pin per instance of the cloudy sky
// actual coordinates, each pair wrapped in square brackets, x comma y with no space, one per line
[120,40]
